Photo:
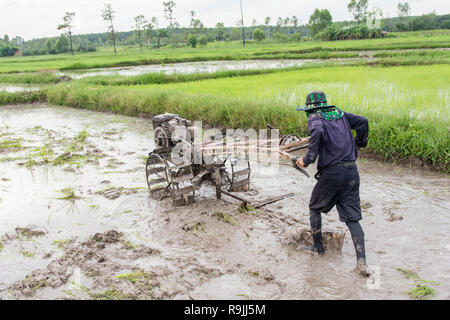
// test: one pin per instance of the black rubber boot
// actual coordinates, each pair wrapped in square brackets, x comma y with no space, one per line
[315,219]
[358,241]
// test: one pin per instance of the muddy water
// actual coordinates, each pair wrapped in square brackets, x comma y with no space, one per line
[77,249]
[18,87]
[193,67]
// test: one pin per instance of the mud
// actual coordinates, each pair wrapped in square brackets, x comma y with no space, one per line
[86,228]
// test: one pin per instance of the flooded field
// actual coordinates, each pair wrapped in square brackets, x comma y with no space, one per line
[77,222]
[193,67]
[18,87]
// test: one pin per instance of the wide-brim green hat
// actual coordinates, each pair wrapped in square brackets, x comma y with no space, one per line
[315,100]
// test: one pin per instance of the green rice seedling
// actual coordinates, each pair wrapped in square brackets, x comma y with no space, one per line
[226,218]
[112,294]
[61,244]
[421,292]
[69,194]
[27,254]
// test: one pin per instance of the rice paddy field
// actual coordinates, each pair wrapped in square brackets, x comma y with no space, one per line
[127,56]
[400,84]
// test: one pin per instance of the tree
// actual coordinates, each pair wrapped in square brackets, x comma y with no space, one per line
[359,9]
[161,35]
[193,41]
[148,31]
[220,31]
[372,16]
[203,41]
[287,22]
[279,24]
[108,15]
[258,35]
[235,34]
[267,23]
[62,45]
[294,21]
[404,10]
[168,14]
[243,28]
[49,46]
[6,39]
[296,37]
[67,26]
[196,25]
[155,25]
[139,23]
[319,20]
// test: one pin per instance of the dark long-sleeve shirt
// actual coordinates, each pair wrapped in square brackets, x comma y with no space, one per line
[332,141]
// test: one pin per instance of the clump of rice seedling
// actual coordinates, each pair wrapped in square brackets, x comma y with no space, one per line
[12,145]
[61,244]
[247,209]
[69,194]
[408,274]
[420,291]
[129,245]
[27,254]
[226,218]
[112,294]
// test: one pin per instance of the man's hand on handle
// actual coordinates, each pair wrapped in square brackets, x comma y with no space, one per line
[300,163]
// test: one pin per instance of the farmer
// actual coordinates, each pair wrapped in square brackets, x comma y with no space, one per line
[338,178]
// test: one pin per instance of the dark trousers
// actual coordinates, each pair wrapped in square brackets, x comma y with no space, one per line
[338,185]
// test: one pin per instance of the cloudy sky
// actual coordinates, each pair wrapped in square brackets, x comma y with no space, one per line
[39,18]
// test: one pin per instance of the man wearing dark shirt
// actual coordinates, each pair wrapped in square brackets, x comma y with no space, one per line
[338,178]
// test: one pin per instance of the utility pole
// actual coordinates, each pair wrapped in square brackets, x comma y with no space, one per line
[243,29]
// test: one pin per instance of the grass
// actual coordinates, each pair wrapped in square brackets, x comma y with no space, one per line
[126,56]
[29,78]
[21,97]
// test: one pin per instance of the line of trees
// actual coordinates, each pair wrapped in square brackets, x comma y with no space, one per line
[287,29]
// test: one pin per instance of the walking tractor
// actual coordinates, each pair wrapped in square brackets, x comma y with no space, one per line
[180,164]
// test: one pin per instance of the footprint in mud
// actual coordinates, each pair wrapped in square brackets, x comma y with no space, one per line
[113,193]
[391,215]
[333,241]
[24,233]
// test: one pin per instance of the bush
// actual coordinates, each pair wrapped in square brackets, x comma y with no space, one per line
[296,37]
[259,35]
[445,24]
[8,51]
[203,41]
[192,40]
[336,32]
